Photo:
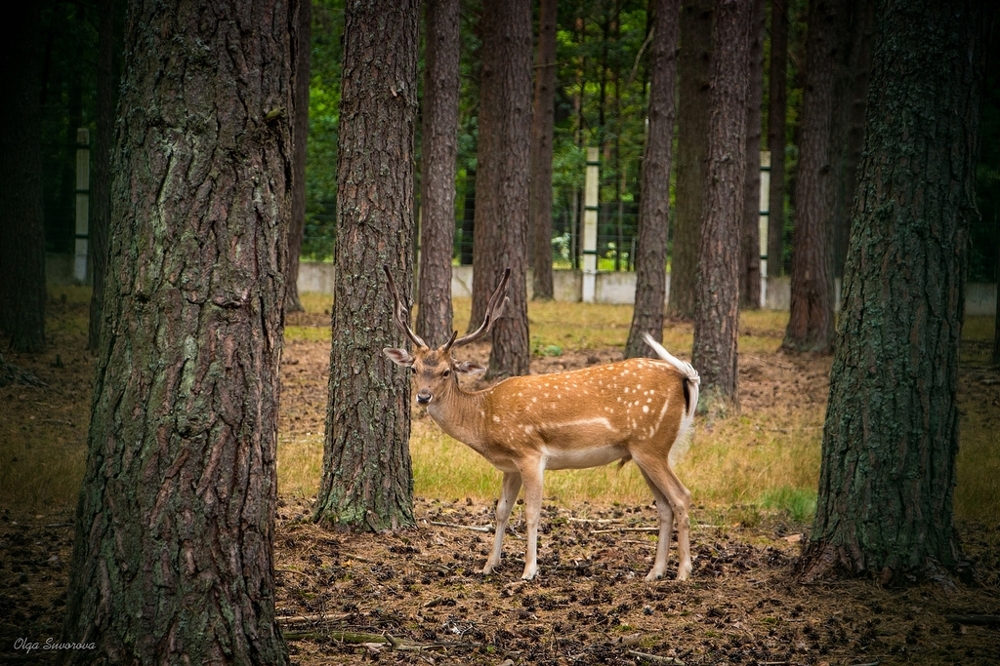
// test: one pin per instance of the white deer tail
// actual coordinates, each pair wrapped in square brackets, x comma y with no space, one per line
[692,383]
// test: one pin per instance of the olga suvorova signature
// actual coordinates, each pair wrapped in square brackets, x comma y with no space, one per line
[27,646]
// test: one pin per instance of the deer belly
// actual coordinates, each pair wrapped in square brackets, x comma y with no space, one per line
[580,458]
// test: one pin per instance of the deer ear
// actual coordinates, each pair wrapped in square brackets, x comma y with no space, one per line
[469,368]
[399,356]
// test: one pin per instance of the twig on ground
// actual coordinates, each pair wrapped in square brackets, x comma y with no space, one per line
[375,640]
[455,526]
[626,529]
[310,619]
[440,568]
[656,658]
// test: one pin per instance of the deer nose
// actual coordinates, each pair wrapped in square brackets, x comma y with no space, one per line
[423,396]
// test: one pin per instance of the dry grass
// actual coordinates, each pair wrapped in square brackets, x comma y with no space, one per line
[43,429]
[764,459]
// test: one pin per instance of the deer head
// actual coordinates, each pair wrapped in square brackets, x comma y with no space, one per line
[435,370]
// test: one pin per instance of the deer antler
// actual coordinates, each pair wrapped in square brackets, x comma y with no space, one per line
[401,315]
[493,311]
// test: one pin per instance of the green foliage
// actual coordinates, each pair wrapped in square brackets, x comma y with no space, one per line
[324,110]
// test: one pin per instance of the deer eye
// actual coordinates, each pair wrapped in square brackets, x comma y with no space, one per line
[447,373]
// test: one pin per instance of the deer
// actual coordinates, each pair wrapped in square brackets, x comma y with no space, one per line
[637,409]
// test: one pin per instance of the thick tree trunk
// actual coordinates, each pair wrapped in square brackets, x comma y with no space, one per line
[776,127]
[693,62]
[437,178]
[891,432]
[302,47]
[750,273]
[22,229]
[100,203]
[367,482]
[172,560]
[501,239]
[716,322]
[542,129]
[654,204]
[810,322]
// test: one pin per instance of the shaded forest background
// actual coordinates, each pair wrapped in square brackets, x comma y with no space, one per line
[602,86]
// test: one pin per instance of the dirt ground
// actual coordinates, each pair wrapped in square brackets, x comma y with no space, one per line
[417,597]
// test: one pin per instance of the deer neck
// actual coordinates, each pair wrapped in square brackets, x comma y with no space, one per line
[462,415]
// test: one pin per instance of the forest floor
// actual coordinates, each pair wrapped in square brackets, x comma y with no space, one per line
[417,597]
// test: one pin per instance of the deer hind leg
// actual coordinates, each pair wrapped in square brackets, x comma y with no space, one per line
[672,504]
[666,516]
[508,496]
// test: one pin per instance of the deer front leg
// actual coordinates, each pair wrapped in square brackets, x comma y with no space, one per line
[532,513]
[508,495]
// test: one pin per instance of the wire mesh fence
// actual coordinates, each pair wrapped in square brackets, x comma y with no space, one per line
[617,235]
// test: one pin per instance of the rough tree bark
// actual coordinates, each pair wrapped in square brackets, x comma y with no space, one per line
[367,482]
[693,61]
[810,321]
[437,177]
[542,129]
[172,558]
[891,431]
[750,273]
[776,126]
[22,229]
[716,321]
[302,50]
[501,238]
[654,204]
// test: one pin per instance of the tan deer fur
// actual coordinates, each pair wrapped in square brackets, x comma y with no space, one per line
[636,410]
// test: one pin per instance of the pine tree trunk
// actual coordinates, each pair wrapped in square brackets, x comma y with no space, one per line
[542,129]
[776,127]
[654,204]
[172,560]
[810,321]
[891,432]
[501,239]
[750,274]
[693,63]
[22,230]
[302,46]
[100,202]
[716,322]
[437,178]
[367,482]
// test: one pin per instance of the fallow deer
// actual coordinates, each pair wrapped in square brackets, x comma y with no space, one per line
[636,409]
